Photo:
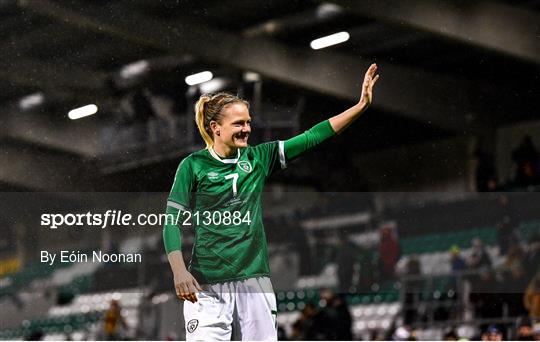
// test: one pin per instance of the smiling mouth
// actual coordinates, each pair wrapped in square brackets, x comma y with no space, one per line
[241,136]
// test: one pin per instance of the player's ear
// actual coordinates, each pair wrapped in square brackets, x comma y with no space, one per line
[213,126]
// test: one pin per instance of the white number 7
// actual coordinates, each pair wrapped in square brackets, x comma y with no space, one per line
[234,177]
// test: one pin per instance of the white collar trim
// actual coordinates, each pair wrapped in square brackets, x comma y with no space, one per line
[224,161]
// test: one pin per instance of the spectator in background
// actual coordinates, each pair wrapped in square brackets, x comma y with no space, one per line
[113,321]
[458,265]
[532,259]
[536,332]
[413,266]
[492,333]
[388,252]
[378,335]
[506,227]
[506,236]
[479,257]
[412,289]
[333,321]
[303,328]
[515,256]
[366,258]
[485,176]
[35,335]
[404,333]
[451,335]
[456,261]
[343,319]
[281,335]
[524,329]
[525,156]
[531,299]
[346,257]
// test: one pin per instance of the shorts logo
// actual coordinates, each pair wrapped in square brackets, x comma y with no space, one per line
[192,325]
[212,175]
[245,166]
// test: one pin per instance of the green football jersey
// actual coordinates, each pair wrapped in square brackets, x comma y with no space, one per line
[221,200]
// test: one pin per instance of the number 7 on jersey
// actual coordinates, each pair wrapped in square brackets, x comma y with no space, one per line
[234,177]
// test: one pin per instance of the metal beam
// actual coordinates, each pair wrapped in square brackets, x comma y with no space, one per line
[414,93]
[495,26]
[79,137]
[20,70]
[59,83]
[312,17]
[24,167]
[49,76]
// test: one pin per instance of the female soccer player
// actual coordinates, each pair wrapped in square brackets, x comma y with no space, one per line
[218,191]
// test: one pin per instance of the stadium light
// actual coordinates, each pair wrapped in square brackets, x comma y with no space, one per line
[250,76]
[199,78]
[215,84]
[81,112]
[134,69]
[330,40]
[31,101]
[328,10]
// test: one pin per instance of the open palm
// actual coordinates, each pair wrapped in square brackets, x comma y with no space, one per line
[367,87]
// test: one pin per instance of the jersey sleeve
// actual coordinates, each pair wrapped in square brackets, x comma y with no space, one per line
[184,180]
[179,200]
[309,139]
[271,155]
[276,154]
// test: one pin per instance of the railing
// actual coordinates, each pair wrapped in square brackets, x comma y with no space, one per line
[424,299]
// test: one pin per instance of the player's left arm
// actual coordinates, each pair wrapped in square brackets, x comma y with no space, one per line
[335,125]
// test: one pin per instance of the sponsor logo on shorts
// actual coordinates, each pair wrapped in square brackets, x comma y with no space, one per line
[245,166]
[192,325]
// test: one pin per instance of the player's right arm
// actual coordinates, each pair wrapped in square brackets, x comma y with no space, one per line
[178,201]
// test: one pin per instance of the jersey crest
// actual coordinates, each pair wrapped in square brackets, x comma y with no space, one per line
[245,166]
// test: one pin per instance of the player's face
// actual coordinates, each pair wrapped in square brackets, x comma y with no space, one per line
[235,126]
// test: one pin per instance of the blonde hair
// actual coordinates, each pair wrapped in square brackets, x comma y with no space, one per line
[209,108]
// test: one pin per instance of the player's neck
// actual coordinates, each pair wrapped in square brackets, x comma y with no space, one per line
[225,151]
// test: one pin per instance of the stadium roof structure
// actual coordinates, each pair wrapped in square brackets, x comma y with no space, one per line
[453,68]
